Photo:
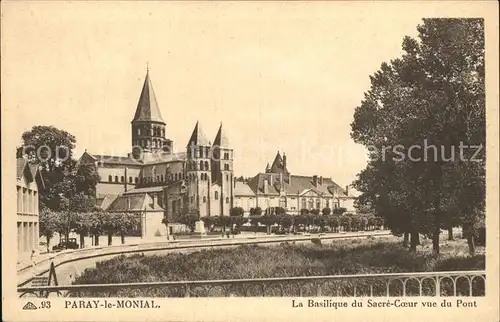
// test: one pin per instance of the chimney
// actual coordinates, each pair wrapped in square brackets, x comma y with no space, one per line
[284,161]
[126,179]
[271,180]
[320,180]
[347,190]
[315,180]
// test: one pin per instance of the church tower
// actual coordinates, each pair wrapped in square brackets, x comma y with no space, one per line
[222,170]
[148,127]
[198,169]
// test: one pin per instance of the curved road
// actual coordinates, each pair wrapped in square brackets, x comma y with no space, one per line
[70,264]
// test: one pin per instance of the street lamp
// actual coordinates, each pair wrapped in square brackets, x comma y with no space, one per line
[69,219]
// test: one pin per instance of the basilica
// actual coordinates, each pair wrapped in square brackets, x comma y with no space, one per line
[155,182]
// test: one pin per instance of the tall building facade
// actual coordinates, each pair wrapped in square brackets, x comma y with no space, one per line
[29,183]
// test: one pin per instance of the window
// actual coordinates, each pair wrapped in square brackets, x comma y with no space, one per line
[216,195]
[327,203]
[226,156]
[161,177]
[158,178]
[138,131]
[311,204]
[116,178]
[130,179]
[122,179]
[110,179]
[227,199]
[226,167]
[175,177]
[201,153]
[201,165]
[204,199]
[283,202]
[206,165]
[227,177]
[318,204]
[192,199]
[304,206]
[136,179]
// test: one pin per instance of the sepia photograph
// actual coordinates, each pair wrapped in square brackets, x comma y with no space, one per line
[313,152]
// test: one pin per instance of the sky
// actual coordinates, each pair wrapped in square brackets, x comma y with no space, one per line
[280,77]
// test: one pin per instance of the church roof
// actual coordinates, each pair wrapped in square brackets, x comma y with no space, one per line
[111,159]
[293,185]
[138,202]
[198,138]
[221,139]
[21,165]
[243,189]
[147,108]
[278,165]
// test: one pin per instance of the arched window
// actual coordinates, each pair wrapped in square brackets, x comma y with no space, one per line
[201,165]
[116,178]
[122,179]
[175,177]
[206,165]
[227,199]
[216,196]
[226,167]
[227,177]
[110,179]
[283,202]
[130,179]
[204,199]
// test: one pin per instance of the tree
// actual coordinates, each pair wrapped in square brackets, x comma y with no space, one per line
[225,221]
[189,219]
[279,211]
[339,210]
[268,220]
[236,211]
[326,211]
[49,222]
[96,223]
[258,211]
[333,222]
[432,96]
[285,221]
[82,226]
[125,223]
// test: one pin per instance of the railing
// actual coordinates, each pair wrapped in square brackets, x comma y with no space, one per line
[459,283]
[94,252]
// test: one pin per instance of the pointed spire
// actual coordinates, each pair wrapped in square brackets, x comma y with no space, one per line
[147,108]
[221,139]
[278,165]
[198,137]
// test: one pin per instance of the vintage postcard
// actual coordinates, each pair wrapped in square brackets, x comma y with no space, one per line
[250,161]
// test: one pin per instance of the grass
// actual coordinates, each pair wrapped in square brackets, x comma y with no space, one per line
[357,256]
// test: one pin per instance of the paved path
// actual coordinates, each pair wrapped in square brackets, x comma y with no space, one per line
[70,263]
